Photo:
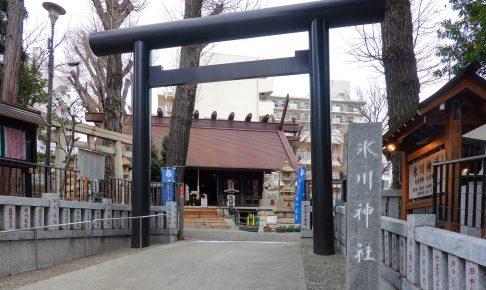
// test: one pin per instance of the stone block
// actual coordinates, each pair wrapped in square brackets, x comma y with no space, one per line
[45,253]
[456,273]
[413,249]
[124,222]
[425,267]
[22,255]
[160,221]
[65,218]
[394,252]
[4,258]
[23,217]
[116,223]
[97,216]
[76,217]
[402,254]
[475,276]
[87,217]
[37,216]
[7,217]
[107,214]
[152,220]
[386,245]
[439,269]
[171,215]
[52,216]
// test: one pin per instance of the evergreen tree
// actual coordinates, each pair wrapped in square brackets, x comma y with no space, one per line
[466,38]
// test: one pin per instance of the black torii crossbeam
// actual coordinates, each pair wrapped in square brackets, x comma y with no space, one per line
[315,17]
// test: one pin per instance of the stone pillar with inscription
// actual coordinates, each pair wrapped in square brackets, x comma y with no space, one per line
[7,217]
[363,206]
[171,215]
[413,248]
[23,217]
[52,216]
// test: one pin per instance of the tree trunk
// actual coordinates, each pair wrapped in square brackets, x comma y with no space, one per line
[113,107]
[185,96]
[13,48]
[402,84]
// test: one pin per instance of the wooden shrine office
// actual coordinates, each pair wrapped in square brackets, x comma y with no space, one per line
[443,149]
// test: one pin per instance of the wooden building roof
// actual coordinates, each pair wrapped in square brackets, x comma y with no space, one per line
[15,112]
[428,121]
[230,144]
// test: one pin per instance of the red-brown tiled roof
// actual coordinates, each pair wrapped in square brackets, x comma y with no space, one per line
[239,147]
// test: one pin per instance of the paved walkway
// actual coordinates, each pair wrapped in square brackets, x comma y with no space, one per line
[209,259]
[193,265]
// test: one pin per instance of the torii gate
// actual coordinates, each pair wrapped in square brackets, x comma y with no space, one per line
[315,17]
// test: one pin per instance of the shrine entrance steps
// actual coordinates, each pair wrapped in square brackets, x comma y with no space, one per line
[205,218]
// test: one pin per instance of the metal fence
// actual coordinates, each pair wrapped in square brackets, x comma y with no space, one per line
[459,192]
[25,179]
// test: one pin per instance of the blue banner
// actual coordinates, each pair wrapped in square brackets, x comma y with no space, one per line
[299,192]
[168,174]
[168,183]
[167,192]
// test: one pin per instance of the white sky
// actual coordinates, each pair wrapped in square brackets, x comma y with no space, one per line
[342,66]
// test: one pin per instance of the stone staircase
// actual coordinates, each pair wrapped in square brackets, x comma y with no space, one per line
[204,218]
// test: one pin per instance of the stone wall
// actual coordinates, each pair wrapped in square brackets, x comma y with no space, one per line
[24,249]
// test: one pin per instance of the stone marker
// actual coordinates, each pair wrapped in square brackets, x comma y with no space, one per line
[425,267]
[387,238]
[306,210]
[87,217]
[413,249]
[171,215]
[160,220]
[23,217]
[76,218]
[65,218]
[124,222]
[475,276]
[439,267]
[37,217]
[394,252]
[97,216]
[116,223]
[456,273]
[7,217]
[52,216]
[402,252]
[107,214]
[363,206]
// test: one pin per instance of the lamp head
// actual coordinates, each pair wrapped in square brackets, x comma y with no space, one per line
[54,11]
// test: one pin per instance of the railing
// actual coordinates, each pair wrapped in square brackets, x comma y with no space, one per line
[88,225]
[25,179]
[416,255]
[459,193]
[340,227]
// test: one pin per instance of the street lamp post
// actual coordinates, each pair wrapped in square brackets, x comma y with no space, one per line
[54,12]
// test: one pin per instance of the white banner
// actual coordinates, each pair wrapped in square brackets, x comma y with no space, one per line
[420,175]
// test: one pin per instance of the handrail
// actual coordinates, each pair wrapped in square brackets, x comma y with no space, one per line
[79,223]
[460,160]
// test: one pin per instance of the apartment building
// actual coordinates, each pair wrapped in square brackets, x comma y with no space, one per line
[343,111]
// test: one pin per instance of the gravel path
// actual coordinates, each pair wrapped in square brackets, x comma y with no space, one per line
[323,272]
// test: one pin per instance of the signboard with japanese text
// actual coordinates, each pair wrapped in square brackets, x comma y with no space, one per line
[363,243]
[420,174]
